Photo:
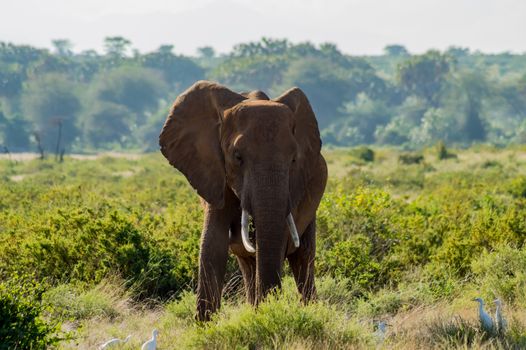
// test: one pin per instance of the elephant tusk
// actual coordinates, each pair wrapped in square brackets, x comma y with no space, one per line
[293,230]
[244,233]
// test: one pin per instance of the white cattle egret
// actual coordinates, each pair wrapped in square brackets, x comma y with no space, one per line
[152,343]
[113,342]
[485,320]
[499,318]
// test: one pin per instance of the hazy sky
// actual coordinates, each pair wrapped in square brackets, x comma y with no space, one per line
[356,26]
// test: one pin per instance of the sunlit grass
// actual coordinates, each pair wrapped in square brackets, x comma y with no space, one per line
[418,242]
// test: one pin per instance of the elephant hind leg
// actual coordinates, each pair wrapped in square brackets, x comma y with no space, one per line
[302,263]
[248,269]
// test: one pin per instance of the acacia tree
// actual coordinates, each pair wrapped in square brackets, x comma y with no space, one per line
[116,46]
[206,52]
[63,47]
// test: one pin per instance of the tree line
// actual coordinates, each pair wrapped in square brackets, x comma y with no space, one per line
[61,101]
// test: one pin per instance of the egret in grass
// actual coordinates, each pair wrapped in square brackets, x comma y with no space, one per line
[113,342]
[499,318]
[152,343]
[485,320]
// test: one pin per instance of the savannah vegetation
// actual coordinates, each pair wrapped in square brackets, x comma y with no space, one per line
[59,100]
[424,209]
[106,247]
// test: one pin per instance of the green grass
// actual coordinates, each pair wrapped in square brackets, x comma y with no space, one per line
[112,243]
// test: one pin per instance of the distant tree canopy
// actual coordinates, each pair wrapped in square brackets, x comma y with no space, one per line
[396,50]
[51,102]
[424,75]
[118,99]
[116,46]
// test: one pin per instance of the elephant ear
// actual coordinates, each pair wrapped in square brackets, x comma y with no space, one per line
[308,138]
[190,137]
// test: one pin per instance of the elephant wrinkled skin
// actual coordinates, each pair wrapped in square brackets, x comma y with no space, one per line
[247,154]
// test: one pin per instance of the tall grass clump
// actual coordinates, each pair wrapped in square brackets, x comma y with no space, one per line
[280,322]
[108,299]
[460,333]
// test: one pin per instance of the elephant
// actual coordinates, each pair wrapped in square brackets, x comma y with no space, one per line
[249,157]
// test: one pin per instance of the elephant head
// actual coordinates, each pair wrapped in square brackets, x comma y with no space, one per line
[261,149]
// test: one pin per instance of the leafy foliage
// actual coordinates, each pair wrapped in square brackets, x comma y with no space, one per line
[397,98]
[392,237]
[21,316]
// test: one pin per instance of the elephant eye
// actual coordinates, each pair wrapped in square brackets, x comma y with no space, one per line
[238,157]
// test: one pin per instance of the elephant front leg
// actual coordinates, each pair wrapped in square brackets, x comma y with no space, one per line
[247,265]
[302,263]
[212,263]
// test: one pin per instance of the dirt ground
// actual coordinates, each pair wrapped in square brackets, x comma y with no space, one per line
[20,157]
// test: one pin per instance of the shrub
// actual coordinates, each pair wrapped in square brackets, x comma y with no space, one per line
[442,152]
[502,273]
[84,245]
[22,325]
[353,260]
[517,186]
[357,232]
[410,158]
[364,153]
[491,164]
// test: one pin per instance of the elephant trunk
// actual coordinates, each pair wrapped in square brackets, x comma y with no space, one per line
[271,212]
[271,244]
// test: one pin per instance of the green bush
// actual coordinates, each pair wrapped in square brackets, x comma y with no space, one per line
[491,164]
[358,237]
[353,260]
[22,323]
[442,152]
[517,186]
[410,158]
[86,246]
[502,273]
[364,153]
